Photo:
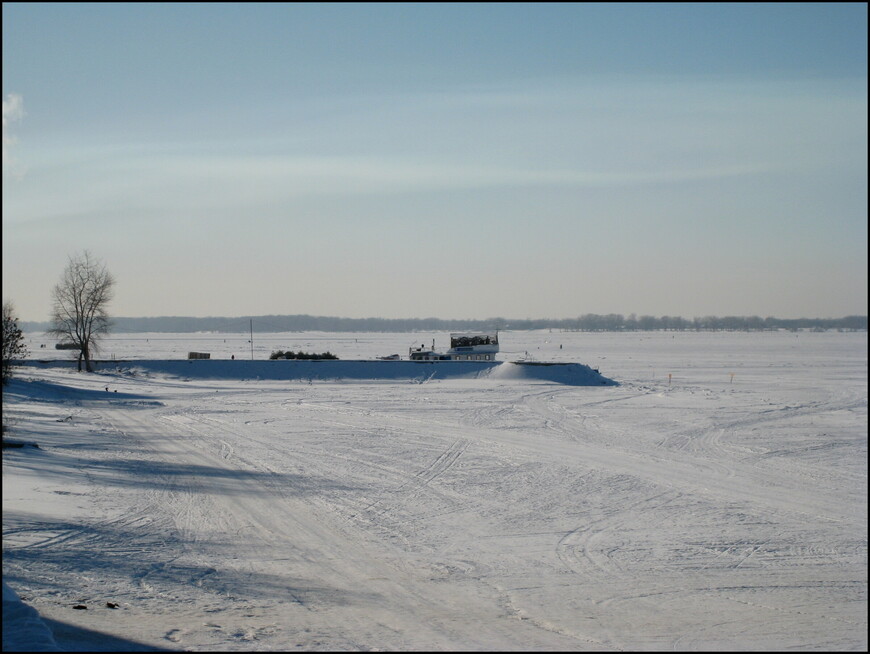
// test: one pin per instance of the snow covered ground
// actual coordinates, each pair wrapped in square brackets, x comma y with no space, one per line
[716,498]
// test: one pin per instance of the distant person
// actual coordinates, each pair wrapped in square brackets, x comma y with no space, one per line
[233,357]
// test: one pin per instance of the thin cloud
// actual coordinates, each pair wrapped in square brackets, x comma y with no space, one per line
[294,176]
[13,110]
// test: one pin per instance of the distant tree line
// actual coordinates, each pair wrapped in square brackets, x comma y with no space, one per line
[588,322]
[617,322]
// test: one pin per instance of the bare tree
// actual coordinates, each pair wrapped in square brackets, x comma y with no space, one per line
[79,313]
[13,340]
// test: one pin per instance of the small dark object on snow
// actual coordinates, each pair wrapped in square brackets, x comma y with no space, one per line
[80,606]
[7,443]
[111,605]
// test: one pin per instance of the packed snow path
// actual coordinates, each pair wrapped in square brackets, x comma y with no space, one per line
[454,514]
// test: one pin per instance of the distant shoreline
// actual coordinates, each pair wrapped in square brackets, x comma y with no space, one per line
[586,323]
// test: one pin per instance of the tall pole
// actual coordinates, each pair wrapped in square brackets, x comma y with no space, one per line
[252,339]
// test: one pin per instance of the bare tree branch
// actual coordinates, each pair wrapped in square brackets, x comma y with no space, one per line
[13,341]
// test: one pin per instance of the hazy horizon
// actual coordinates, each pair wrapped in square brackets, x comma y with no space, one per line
[271,323]
[564,317]
[470,160]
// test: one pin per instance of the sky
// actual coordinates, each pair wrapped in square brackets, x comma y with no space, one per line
[460,161]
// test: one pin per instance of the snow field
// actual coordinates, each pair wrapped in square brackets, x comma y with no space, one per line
[703,511]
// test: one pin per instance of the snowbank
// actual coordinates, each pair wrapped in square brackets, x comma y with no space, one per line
[571,374]
[23,629]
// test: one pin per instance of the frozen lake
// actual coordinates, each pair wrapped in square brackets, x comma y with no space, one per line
[715,499]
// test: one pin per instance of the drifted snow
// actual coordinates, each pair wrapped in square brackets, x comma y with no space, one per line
[715,499]
[573,374]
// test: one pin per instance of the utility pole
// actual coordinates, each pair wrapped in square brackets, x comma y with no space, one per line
[252,339]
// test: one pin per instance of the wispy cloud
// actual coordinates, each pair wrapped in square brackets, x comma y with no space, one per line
[291,176]
[13,110]
[199,183]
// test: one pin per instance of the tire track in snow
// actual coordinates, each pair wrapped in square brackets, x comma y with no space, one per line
[441,464]
[580,550]
[560,420]
[245,509]
[697,474]
[403,479]
[718,440]
[354,566]
[417,479]
[411,483]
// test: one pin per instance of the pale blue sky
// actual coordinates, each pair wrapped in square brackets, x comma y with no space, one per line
[458,161]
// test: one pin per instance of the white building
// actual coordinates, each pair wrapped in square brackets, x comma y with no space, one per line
[463,347]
